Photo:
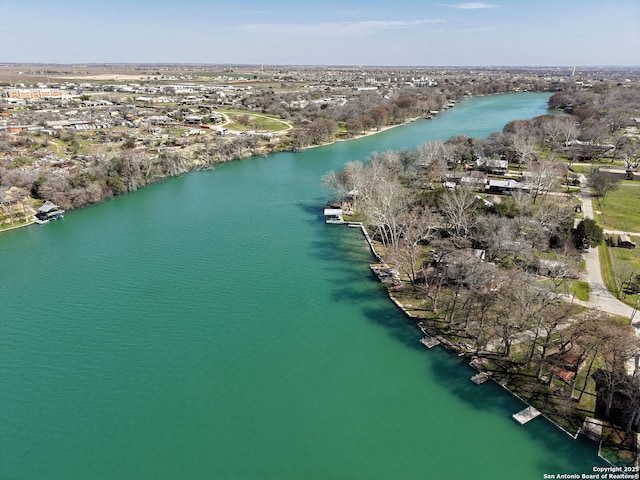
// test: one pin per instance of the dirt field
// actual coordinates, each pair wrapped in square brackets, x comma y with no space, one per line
[11,74]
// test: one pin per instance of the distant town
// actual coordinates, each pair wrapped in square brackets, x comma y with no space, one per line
[79,134]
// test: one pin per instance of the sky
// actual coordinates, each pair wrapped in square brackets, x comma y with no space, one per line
[326,32]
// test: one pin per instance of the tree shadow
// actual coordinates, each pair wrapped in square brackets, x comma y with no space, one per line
[491,397]
[314,210]
[398,326]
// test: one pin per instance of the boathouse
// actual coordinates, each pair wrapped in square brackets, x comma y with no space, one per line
[48,211]
[333,215]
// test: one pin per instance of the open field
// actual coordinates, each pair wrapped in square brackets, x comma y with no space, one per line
[35,73]
[621,208]
[244,121]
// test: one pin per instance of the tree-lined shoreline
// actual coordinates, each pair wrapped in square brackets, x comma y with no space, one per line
[485,255]
[106,142]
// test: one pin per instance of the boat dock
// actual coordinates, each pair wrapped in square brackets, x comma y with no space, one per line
[429,342]
[480,378]
[385,274]
[592,429]
[526,415]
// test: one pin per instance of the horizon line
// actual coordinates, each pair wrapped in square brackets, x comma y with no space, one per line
[242,64]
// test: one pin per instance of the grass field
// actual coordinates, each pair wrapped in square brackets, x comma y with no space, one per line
[622,208]
[259,123]
[580,290]
[613,262]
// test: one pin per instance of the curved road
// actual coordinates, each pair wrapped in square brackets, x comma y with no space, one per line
[600,297]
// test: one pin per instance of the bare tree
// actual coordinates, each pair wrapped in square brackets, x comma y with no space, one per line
[554,316]
[586,336]
[385,203]
[630,152]
[418,227]
[354,127]
[619,344]
[542,175]
[458,206]
[624,274]
[380,115]
[602,185]
[350,181]
[433,158]
[524,144]
[408,159]
[562,130]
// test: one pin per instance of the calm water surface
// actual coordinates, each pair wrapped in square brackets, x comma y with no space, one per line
[213,327]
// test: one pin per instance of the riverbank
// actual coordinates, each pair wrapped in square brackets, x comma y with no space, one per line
[182,301]
[372,132]
[368,133]
[526,390]
[198,163]
[26,224]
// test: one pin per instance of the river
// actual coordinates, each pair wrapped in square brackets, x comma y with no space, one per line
[213,327]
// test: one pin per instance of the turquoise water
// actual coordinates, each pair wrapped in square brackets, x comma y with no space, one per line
[213,327]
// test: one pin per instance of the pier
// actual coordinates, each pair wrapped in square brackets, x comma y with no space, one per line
[385,274]
[480,378]
[526,415]
[592,429]
[429,342]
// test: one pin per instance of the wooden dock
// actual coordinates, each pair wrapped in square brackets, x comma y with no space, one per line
[526,415]
[385,274]
[429,342]
[592,429]
[481,377]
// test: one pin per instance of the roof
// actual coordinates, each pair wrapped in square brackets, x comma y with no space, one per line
[47,207]
[332,211]
[507,184]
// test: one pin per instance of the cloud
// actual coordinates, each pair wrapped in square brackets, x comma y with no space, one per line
[335,29]
[473,6]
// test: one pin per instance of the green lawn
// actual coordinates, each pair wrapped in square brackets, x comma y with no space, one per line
[259,123]
[580,290]
[624,257]
[622,208]
[586,169]
[614,259]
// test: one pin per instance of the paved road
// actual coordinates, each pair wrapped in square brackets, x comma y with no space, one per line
[600,297]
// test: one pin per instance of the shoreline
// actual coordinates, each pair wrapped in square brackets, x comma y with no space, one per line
[357,137]
[389,127]
[452,350]
[17,227]
[197,166]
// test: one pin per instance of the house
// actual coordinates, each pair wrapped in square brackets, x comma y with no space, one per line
[625,242]
[613,173]
[506,186]
[333,215]
[193,120]
[494,166]
[217,118]
[556,269]
[475,182]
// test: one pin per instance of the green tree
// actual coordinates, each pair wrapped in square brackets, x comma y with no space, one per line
[588,233]
[35,187]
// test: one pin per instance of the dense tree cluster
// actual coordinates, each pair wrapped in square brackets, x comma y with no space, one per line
[601,115]
[495,275]
[100,177]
